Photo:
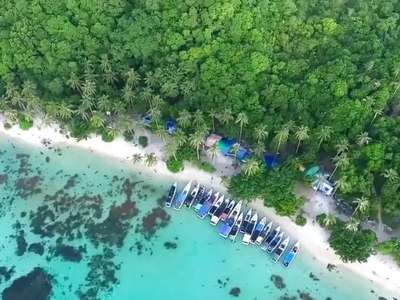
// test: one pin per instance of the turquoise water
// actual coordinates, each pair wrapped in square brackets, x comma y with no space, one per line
[96,228]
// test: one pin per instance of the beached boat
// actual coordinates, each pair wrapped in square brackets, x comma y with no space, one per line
[274,243]
[171,195]
[216,205]
[203,211]
[246,221]
[264,233]
[199,195]
[202,200]
[182,196]
[276,255]
[269,238]
[287,261]
[189,199]
[250,229]
[217,214]
[227,210]
[226,228]
[257,231]
[236,227]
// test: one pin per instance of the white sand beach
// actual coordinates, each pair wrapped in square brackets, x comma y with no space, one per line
[379,269]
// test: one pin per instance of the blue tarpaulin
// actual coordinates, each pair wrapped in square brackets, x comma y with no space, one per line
[270,161]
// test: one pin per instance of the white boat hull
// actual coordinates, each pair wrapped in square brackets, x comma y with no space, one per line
[246,239]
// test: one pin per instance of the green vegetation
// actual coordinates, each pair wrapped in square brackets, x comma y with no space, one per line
[107,137]
[175,165]
[301,220]
[143,141]
[25,124]
[129,136]
[7,126]
[391,247]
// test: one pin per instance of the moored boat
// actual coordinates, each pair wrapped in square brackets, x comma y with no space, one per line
[257,231]
[250,229]
[217,214]
[171,195]
[276,255]
[193,194]
[275,242]
[203,211]
[246,221]
[264,233]
[236,227]
[182,196]
[199,195]
[226,228]
[227,210]
[269,238]
[203,199]
[216,205]
[289,257]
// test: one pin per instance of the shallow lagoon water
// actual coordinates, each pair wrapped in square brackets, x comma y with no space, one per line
[97,227]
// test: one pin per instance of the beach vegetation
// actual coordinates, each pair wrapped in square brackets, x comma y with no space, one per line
[321,219]
[137,157]
[150,159]
[129,136]
[175,165]
[25,124]
[107,137]
[143,141]
[7,126]
[301,220]
[390,247]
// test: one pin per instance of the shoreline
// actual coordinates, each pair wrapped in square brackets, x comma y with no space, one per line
[313,238]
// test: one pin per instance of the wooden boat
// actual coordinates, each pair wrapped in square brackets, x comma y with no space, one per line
[203,211]
[236,227]
[226,228]
[269,238]
[199,195]
[274,243]
[264,233]
[246,221]
[290,256]
[276,255]
[216,205]
[171,195]
[182,196]
[217,214]
[250,229]
[193,194]
[227,210]
[203,199]
[257,231]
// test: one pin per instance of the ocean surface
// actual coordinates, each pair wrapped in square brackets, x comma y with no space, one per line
[75,225]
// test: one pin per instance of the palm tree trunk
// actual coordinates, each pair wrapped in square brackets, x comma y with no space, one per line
[298,145]
[354,212]
[380,217]
[319,144]
[240,135]
[373,119]
[334,191]
[213,160]
[334,170]
[213,125]
[198,153]
[277,148]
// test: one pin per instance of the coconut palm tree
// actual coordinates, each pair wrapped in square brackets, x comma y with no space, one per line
[33,103]
[353,225]
[104,63]
[301,134]
[251,167]
[340,162]
[329,220]
[128,94]
[324,134]
[377,112]
[104,103]
[319,181]
[11,90]
[64,111]
[150,159]
[179,137]
[161,132]
[97,119]
[340,183]
[112,130]
[370,101]
[226,116]
[282,135]
[157,101]
[342,146]
[363,139]
[225,181]
[146,95]
[28,89]
[235,150]
[198,118]
[390,174]
[126,124]
[132,77]
[242,120]
[142,126]
[74,82]
[18,100]
[82,113]
[214,152]
[88,88]
[259,150]
[213,114]
[12,115]
[110,77]
[119,108]
[137,157]
[362,204]
[196,140]
[87,103]
[155,114]
[88,66]
[150,79]
[171,148]
[184,118]
[260,133]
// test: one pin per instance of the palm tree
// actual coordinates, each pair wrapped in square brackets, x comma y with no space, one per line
[12,115]
[324,134]
[214,152]
[137,157]
[353,225]
[119,108]
[251,167]
[112,130]
[179,137]
[370,101]
[88,66]
[362,204]
[329,220]
[126,124]
[18,100]
[150,79]
[342,146]
[301,134]
[104,62]
[377,112]
[88,88]
[82,113]
[128,94]
[87,103]
[64,111]
[390,174]
[196,140]
[291,125]
[198,118]
[242,119]
[155,114]
[259,150]
[146,94]
[260,132]
[11,90]
[104,103]
[235,150]
[340,162]
[74,82]
[363,139]
[282,135]
[110,76]
[225,181]
[226,116]
[319,181]
[161,132]
[142,126]
[157,101]
[213,114]
[28,89]
[132,77]
[184,118]
[171,148]
[340,183]
[33,103]
[150,159]
[97,119]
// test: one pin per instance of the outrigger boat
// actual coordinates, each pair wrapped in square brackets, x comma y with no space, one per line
[189,200]
[250,229]
[199,195]
[171,195]
[264,233]
[287,261]
[257,231]
[217,214]
[182,196]
[236,227]
[279,251]
[216,205]
[275,242]
[203,211]
[203,199]
[226,228]
[269,238]
[227,210]
[246,221]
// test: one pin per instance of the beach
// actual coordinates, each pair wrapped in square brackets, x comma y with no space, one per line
[380,270]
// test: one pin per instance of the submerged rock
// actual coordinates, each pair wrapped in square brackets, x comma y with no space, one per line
[68,253]
[235,292]
[278,281]
[313,277]
[5,274]
[170,245]
[305,296]
[36,248]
